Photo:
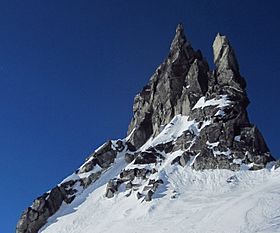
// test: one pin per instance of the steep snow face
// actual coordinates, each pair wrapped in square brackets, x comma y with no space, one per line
[189,201]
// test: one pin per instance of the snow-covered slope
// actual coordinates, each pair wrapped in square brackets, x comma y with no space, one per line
[191,201]
[187,201]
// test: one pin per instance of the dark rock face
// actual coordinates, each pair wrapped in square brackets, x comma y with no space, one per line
[168,93]
[183,84]
[34,217]
[103,157]
[230,127]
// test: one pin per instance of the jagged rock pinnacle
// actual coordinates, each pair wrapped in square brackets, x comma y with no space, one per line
[181,44]
[179,39]
[181,78]
[224,57]
[227,68]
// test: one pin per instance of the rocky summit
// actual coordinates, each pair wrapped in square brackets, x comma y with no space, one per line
[187,116]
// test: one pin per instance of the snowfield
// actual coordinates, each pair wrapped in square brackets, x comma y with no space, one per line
[219,201]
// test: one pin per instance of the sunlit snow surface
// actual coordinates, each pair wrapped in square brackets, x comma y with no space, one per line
[209,201]
[193,202]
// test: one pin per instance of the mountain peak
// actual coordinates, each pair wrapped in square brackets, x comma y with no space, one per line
[180,27]
[186,116]
[179,38]
[180,44]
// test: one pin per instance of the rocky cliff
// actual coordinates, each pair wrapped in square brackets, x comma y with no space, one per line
[187,115]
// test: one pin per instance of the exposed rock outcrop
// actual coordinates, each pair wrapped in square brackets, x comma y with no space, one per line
[35,216]
[184,85]
[174,89]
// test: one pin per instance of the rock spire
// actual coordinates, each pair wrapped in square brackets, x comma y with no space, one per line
[173,89]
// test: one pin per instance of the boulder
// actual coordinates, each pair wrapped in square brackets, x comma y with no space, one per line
[112,187]
[149,195]
[277,164]
[128,157]
[34,217]
[145,158]
[184,159]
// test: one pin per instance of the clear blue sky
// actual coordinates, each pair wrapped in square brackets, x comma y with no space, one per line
[69,71]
